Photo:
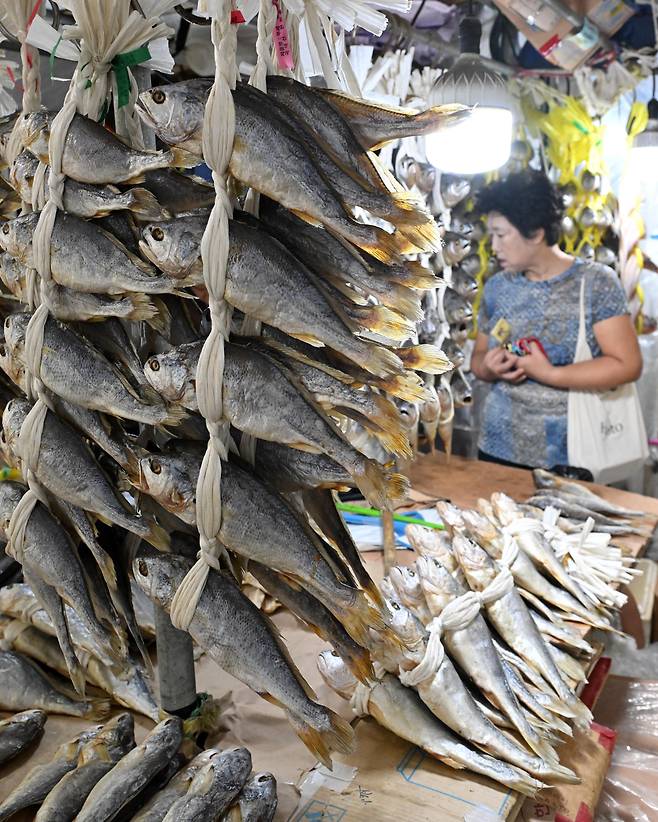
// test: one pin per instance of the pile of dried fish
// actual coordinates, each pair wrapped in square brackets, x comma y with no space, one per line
[484,647]
[102,773]
[577,503]
[122,440]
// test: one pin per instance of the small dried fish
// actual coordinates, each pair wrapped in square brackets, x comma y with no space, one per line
[19,731]
[97,758]
[244,643]
[25,686]
[42,778]
[92,154]
[214,787]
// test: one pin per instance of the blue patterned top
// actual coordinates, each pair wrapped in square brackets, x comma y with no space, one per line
[527,423]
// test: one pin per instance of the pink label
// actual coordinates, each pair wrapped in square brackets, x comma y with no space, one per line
[281,40]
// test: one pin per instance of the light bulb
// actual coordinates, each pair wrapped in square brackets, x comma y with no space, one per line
[482,142]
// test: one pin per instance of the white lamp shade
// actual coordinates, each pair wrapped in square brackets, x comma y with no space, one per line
[480,143]
[483,141]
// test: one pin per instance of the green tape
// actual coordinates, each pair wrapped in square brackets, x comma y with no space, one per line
[120,64]
[373,512]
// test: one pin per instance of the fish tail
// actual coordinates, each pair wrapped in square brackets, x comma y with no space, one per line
[415,223]
[96,709]
[560,773]
[360,664]
[373,483]
[175,415]
[158,537]
[359,617]
[390,324]
[77,676]
[440,117]
[406,386]
[384,413]
[142,308]
[378,243]
[523,782]
[160,319]
[338,737]
[413,274]
[405,301]
[180,158]
[426,358]
[381,361]
[145,205]
[396,443]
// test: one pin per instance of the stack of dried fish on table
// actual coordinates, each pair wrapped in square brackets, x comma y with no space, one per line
[122,441]
[101,773]
[484,645]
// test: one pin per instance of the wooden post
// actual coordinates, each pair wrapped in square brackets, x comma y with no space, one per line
[389,540]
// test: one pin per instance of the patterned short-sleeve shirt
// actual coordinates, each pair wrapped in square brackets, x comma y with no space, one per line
[527,423]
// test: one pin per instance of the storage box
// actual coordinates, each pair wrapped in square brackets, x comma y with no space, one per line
[386,778]
[643,591]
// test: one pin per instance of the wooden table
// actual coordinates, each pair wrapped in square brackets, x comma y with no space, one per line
[464,481]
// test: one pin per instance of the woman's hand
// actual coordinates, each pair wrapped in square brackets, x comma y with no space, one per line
[502,365]
[537,366]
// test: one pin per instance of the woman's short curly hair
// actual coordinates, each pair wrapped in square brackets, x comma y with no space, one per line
[528,200]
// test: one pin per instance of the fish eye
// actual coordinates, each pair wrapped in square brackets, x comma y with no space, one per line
[154,364]
[143,569]
[334,653]
[411,573]
[155,466]
[3,351]
[263,778]
[157,233]
[5,228]
[158,96]
[395,606]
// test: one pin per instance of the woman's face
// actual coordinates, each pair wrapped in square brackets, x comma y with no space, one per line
[514,251]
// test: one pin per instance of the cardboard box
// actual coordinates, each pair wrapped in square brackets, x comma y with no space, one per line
[643,591]
[389,779]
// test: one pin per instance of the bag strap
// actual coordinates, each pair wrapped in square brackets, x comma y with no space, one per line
[582,330]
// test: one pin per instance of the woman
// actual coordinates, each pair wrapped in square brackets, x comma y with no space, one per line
[537,294]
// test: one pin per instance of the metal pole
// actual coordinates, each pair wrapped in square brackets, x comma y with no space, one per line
[177,683]
[176,679]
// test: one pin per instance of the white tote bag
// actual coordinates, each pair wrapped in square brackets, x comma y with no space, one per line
[605,429]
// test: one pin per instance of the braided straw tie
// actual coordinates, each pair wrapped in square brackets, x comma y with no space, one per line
[456,615]
[104,28]
[218,134]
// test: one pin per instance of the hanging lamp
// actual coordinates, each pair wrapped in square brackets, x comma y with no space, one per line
[483,141]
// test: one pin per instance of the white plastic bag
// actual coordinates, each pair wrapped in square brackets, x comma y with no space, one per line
[605,429]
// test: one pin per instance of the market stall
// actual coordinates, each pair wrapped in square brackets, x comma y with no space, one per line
[249,273]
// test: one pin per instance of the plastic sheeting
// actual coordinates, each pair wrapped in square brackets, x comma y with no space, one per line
[630,790]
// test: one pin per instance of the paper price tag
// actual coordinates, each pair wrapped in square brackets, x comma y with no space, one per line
[281,39]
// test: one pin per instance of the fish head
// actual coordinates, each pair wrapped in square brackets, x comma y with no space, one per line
[404,623]
[386,587]
[477,565]
[15,328]
[263,786]
[22,173]
[159,575]
[174,111]
[453,352]
[12,367]
[167,478]
[336,674]
[431,407]
[11,494]
[451,516]
[13,418]
[167,735]
[504,507]
[34,129]
[479,526]
[173,374]
[173,246]
[119,732]
[437,583]
[431,542]
[13,274]
[461,391]
[16,236]
[407,583]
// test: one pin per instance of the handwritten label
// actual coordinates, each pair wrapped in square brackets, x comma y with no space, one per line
[281,39]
